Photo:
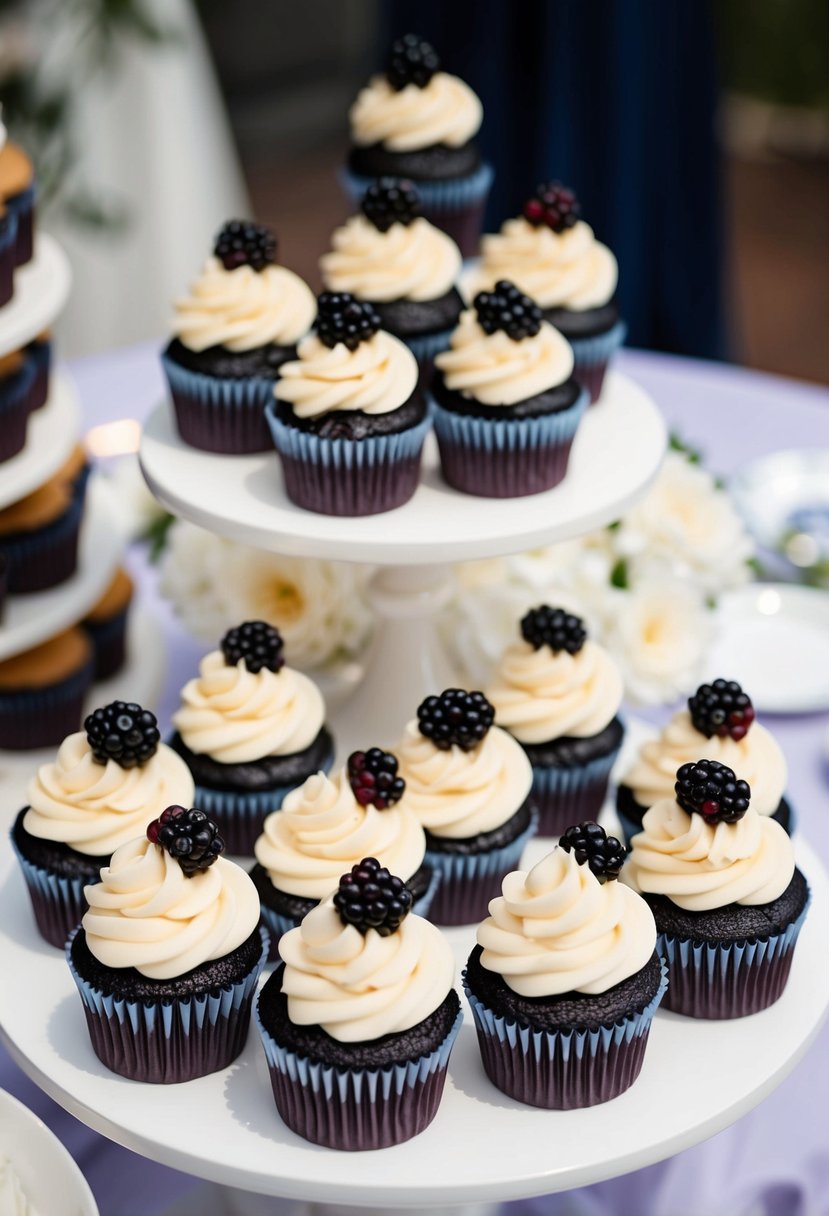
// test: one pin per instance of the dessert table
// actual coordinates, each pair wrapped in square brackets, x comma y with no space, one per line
[776,1159]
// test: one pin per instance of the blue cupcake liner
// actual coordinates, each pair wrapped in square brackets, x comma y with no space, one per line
[45,556]
[348,476]
[451,194]
[558,1069]
[592,355]
[57,901]
[728,981]
[167,1041]
[15,391]
[469,881]
[22,207]
[424,347]
[8,245]
[43,717]
[220,414]
[564,796]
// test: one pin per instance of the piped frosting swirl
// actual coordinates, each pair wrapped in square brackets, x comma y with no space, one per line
[445,111]
[243,309]
[408,262]
[568,269]
[376,378]
[495,370]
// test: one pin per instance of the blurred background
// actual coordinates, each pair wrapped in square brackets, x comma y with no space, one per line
[696,135]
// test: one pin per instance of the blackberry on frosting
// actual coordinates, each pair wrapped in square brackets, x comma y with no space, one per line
[552,205]
[553,627]
[411,60]
[342,318]
[390,200]
[508,309]
[712,790]
[591,846]
[259,644]
[373,778]
[124,732]
[189,836]
[721,709]
[455,718]
[369,897]
[242,243]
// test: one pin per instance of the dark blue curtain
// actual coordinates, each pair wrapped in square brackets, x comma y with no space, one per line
[616,98]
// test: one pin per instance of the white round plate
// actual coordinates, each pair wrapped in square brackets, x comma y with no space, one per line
[40,291]
[51,436]
[51,1181]
[774,639]
[30,619]
[482,1146]
[616,454]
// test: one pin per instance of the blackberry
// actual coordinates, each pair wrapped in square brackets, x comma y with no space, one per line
[455,717]
[369,897]
[241,243]
[591,846]
[390,200]
[189,836]
[721,709]
[508,309]
[257,642]
[373,777]
[411,60]
[554,205]
[712,790]
[555,628]
[124,732]
[341,318]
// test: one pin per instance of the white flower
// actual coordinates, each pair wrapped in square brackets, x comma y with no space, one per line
[191,580]
[141,511]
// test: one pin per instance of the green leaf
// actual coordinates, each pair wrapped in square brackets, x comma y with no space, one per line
[619,576]
[156,536]
[677,444]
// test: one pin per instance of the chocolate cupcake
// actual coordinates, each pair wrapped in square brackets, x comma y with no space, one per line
[39,534]
[402,265]
[328,825]
[8,243]
[565,979]
[17,375]
[171,940]
[39,351]
[349,421]
[727,897]
[106,625]
[507,408]
[468,782]
[42,691]
[559,694]
[250,730]
[359,1022]
[17,193]
[106,784]
[554,257]
[720,723]
[418,122]
[232,334]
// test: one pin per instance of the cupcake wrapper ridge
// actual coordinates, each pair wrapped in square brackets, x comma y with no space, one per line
[47,556]
[564,796]
[43,717]
[592,356]
[563,1070]
[217,414]
[469,882]
[8,245]
[57,901]
[40,354]
[15,392]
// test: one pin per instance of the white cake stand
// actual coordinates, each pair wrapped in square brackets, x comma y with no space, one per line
[52,434]
[40,291]
[617,452]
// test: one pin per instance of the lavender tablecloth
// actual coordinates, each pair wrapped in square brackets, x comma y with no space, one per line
[775,1161]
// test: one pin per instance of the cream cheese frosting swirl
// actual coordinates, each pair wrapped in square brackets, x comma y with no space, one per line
[95,808]
[321,831]
[700,866]
[557,929]
[409,262]
[446,111]
[497,371]
[756,757]
[243,309]
[363,987]
[377,377]
[458,794]
[147,914]
[540,695]
[569,269]
[235,715]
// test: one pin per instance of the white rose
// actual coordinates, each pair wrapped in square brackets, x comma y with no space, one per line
[140,509]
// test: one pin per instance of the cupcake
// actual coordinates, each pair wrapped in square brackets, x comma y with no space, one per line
[106,625]
[39,351]
[106,784]
[8,245]
[359,1022]
[250,730]
[402,265]
[17,376]
[559,694]
[231,335]
[468,782]
[171,939]
[418,122]
[554,257]
[328,825]
[507,407]
[17,194]
[39,534]
[4,582]
[42,691]
[726,895]
[349,421]
[565,978]
[720,723]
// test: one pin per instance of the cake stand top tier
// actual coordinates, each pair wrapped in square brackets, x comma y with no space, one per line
[617,452]
[40,291]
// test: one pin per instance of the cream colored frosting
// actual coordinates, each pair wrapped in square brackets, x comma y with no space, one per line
[244,308]
[446,111]
[377,377]
[235,715]
[700,866]
[495,370]
[95,807]
[568,269]
[756,758]
[147,914]
[359,987]
[409,262]
[557,929]
[321,831]
[458,794]
[540,695]
[13,1200]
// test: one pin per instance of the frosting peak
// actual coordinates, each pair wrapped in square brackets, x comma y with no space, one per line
[445,111]
[408,262]
[568,269]
[378,377]
[243,309]
[495,370]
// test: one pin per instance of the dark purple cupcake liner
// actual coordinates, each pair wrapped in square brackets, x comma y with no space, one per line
[8,244]
[41,355]
[57,901]
[217,414]
[14,410]
[592,356]
[46,556]
[564,796]
[22,206]
[4,582]
[43,717]
[109,642]
[469,881]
